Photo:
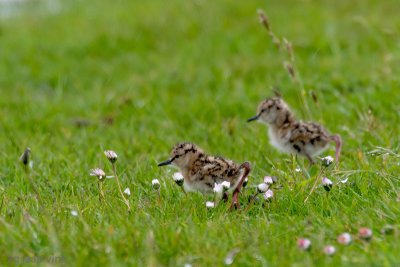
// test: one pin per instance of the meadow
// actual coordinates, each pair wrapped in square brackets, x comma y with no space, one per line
[136,77]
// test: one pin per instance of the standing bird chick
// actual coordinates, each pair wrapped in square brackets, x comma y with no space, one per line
[201,171]
[287,134]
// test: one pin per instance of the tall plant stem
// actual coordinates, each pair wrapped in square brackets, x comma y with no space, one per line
[101,195]
[183,189]
[119,187]
[159,197]
[32,184]
[251,202]
[316,181]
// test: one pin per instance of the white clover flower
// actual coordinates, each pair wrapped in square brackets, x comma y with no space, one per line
[218,188]
[365,233]
[344,239]
[329,250]
[74,213]
[225,186]
[210,204]
[111,156]
[268,180]
[269,195]
[178,178]
[327,161]
[304,243]
[156,184]
[262,188]
[99,173]
[127,191]
[327,184]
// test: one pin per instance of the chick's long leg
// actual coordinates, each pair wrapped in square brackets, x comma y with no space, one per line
[235,195]
[338,141]
[312,161]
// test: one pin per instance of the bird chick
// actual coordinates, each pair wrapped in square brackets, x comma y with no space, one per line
[202,171]
[287,134]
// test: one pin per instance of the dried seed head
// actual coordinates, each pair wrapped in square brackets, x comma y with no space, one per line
[329,250]
[263,19]
[111,156]
[178,178]
[290,68]
[314,97]
[365,233]
[344,239]
[276,92]
[275,40]
[156,184]
[262,188]
[289,48]
[327,184]
[99,173]
[327,161]
[304,243]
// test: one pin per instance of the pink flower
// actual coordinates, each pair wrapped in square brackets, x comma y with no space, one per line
[365,233]
[329,250]
[344,239]
[262,188]
[327,161]
[101,175]
[304,243]
[268,195]
[327,184]
[218,188]
[111,156]
[268,180]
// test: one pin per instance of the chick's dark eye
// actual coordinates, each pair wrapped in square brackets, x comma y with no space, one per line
[278,108]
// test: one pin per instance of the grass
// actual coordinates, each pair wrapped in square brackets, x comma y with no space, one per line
[81,77]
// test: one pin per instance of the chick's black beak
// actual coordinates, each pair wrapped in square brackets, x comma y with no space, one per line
[253,118]
[167,162]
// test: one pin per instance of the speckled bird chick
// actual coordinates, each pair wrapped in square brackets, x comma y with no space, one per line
[202,171]
[286,133]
